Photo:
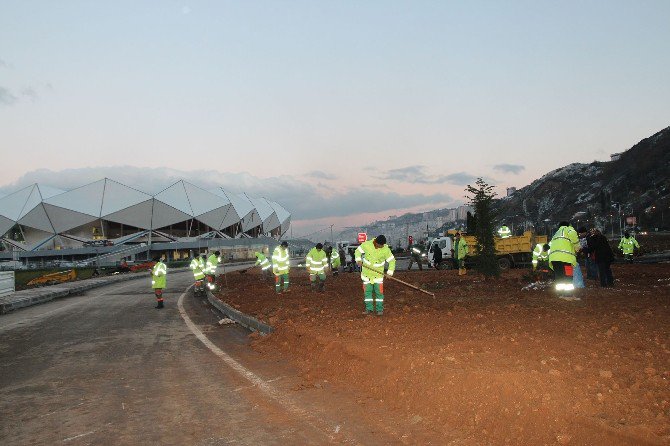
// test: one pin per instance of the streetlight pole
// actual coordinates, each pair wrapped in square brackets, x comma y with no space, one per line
[331,235]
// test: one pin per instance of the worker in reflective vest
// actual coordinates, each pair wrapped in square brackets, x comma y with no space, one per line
[280,267]
[417,253]
[504,232]
[540,254]
[333,260]
[461,251]
[371,257]
[158,280]
[627,246]
[316,262]
[263,262]
[210,269]
[562,258]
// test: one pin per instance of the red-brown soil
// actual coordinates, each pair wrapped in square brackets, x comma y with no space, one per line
[485,362]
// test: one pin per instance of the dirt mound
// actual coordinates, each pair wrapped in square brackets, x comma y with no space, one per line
[485,361]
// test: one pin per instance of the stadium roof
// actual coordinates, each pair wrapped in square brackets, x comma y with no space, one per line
[54,211]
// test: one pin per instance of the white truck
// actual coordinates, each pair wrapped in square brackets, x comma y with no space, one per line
[349,248]
[444,244]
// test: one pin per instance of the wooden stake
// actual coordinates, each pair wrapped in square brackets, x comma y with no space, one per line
[400,281]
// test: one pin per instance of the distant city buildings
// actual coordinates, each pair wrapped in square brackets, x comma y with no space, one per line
[420,226]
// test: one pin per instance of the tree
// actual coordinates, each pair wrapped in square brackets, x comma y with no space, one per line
[481,199]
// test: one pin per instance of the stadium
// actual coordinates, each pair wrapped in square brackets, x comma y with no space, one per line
[108,220]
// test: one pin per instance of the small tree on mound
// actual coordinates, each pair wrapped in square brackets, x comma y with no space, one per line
[481,199]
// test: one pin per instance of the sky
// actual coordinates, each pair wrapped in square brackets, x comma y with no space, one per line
[341,111]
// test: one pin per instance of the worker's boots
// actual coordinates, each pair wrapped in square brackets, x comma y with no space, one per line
[159,304]
[322,286]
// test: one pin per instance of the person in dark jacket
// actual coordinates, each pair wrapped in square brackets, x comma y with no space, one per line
[600,247]
[437,256]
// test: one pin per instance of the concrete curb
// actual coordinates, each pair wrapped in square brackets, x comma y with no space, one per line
[245,320]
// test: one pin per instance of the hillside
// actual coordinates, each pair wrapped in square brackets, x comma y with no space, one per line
[639,180]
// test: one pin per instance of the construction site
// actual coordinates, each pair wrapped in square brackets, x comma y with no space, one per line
[499,361]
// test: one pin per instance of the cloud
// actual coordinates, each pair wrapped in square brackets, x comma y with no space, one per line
[509,168]
[29,93]
[459,179]
[417,174]
[6,97]
[185,10]
[305,201]
[3,64]
[319,175]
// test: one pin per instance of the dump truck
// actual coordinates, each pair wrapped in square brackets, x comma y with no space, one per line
[54,278]
[514,251]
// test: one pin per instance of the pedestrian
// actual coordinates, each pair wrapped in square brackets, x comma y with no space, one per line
[158,280]
[627,246]
[577,276]
[371,256]
[210,269]
[461,251]
[604,257]
[591,265]
[417,252]
[562,258]
[317,262]
[281,267]
[437,256]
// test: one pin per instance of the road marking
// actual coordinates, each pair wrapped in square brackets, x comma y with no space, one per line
[284,400]
[32,319]
[78,436]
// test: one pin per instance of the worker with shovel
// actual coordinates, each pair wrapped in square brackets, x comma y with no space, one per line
[264,264]
[371,257]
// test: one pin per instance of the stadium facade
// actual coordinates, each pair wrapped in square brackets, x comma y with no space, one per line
[107,214]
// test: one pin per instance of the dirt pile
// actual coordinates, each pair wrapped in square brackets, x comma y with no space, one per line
[485,361]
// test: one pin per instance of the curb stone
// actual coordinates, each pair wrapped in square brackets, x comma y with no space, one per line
[245,320]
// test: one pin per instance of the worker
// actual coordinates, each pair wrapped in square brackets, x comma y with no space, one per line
[263,262]
[627,246]
[417,252]
[317,262]
[504,232]
[158,280]
[333,260]
[461,251]
[371,257]
[197,265]
[281,267]
[562,258]
[540,254]
[210,269]
[541,261]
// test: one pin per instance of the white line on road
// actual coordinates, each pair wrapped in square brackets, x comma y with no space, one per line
[78,436]
[284,400]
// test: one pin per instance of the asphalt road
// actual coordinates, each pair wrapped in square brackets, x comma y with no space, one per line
[108,368]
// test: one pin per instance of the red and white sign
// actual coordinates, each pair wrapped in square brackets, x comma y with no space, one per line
[362,236]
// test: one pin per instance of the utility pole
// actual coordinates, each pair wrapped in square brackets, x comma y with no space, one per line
[331,235]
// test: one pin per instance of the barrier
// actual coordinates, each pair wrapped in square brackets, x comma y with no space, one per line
[7,283]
